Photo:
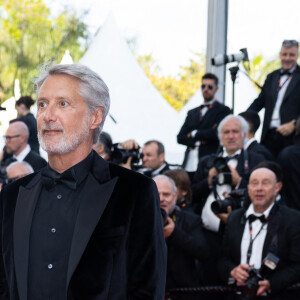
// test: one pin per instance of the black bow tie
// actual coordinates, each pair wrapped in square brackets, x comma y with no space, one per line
[228,158]
[204,105]
[253,218]
[50,178]
[285,73]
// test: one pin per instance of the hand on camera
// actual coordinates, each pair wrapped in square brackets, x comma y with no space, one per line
[169,228]
[130,144]
[224,216]
[212,173]
[236,178]
[264,286]
[240,274]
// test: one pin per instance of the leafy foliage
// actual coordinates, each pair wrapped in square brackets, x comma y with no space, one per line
[30,37]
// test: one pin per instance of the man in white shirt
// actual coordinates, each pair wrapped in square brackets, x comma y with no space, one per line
[262,231]
[280,96]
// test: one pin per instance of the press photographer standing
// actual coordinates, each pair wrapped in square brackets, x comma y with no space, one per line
[262,243]
[280,96]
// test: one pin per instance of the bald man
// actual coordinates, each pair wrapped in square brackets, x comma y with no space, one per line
[264,237]
[16,143]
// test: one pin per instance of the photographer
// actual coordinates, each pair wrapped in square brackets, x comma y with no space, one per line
[186,244]
[208,181]
[153,157]
[261,247]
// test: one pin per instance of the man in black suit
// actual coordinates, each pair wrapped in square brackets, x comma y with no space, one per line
[280,96]
[253,121]
[81,228]
[185,240]
[266,237]
[16,144]
[199,131]
[233,131]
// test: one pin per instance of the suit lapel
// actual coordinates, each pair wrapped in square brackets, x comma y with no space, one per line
[90,211]
[274,88]
[25,206]
[294,81]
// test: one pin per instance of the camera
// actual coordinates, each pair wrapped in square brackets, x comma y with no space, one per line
[236,199]
[223,59]
[269,264]
[224,173]
[120,155]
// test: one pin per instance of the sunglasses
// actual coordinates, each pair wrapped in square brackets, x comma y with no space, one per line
[290,42]
[210,87]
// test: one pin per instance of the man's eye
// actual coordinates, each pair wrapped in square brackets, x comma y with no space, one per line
[64,103]
[41,104]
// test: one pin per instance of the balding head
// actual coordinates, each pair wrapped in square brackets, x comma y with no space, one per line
[18,170]
[16,137]
[263,189]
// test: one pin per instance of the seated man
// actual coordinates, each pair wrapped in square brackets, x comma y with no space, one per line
[16,143]
[264,240]
[184,237]
[253,121]
[207,184]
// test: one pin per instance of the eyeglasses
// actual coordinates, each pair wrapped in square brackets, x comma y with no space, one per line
[210,87]
[290,42]
[9,137]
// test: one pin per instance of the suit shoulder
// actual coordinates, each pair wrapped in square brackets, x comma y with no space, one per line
[193,110]
[128,175]
[236,216]
[290,214]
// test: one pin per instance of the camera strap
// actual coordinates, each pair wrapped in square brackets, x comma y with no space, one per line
[252,239]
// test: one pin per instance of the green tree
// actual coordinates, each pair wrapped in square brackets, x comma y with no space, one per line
[31,37]
[177,90]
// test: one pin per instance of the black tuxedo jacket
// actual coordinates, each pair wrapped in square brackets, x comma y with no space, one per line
[200,187]
[185,245]
[206,129]
[35,160]
[290,108]
[260,149]
[118,249]
[288,249]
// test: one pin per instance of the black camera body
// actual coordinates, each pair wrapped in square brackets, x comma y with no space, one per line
[269,264]
[120,155]
[224,173]
[236,199]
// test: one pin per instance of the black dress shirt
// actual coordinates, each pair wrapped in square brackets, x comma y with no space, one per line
[51,235]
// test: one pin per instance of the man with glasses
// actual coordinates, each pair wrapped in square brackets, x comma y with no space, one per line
[16,144]
[199,131]
[280,96]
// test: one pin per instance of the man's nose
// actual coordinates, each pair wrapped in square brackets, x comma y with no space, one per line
[49,114]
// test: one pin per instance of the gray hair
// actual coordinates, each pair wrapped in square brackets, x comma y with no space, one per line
[167,178]
[243,123]
[92,88]
[26,165]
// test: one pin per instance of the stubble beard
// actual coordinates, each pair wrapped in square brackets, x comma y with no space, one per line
[68,142]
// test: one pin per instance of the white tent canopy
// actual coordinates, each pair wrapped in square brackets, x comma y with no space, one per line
[137,107]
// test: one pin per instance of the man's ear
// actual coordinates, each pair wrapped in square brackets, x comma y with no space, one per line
[96,117]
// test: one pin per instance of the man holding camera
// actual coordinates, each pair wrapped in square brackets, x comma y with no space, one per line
[261,247]
[184,238]
[280,96]
[213,179]
[199,131]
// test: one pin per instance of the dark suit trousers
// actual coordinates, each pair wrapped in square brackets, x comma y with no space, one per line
[275,142]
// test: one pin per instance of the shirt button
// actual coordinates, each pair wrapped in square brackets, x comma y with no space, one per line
[50,266]
[58,196]
[53,230]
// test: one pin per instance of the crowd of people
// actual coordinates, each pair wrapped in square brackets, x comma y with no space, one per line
[227,215]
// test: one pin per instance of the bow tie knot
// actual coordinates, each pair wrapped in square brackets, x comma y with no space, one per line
[253,218]
[285,73]
[228,158]
[50,178]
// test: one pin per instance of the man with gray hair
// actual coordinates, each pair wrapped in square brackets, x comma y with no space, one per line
[186,244]
[81,228]
[280,97]
[17,170]
[16,144]
[211,182]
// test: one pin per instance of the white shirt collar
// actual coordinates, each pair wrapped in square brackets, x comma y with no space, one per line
[23,154]
[238,152]
[249,142]
[250,211]
[156,172]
